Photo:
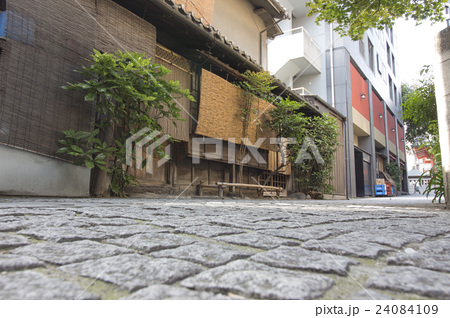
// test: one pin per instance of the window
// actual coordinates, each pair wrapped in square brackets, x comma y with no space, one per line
[388,50]
[362,48]
[378,64]
[2,24]
[393,64]
[395,96]
[391,93]
[371,57]
[2,5]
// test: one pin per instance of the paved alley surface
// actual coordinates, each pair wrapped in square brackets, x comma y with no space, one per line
[223,249]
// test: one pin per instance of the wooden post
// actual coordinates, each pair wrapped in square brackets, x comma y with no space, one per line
[233,176]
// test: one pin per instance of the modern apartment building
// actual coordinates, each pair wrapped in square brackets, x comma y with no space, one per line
[357,78]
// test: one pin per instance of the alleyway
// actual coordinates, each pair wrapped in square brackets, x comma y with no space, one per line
[224,249]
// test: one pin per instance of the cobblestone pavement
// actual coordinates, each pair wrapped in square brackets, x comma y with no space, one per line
[223,249]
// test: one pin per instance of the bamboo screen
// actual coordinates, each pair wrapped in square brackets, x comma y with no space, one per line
[220,112]
[45,41]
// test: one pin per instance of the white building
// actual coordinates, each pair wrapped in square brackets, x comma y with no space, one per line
[358,78]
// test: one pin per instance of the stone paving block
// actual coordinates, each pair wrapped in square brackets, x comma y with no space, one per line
[396,239]
[5,219]
[252,224]
[369,294]
[70,252]
[434,255]
[174,222]
[63,234]
[414,280]
[430,227]
[257,240]
[236,223]
[254,280]
[344,246]
[336,228]
[302,234]
[112,232]
[10,240]
[133,271]
[152,242]
[29,285]
[206,254]
[107,221]
[165,292]
[58,221]
[208,231]
[26,211]
[300,259]
[13,226]
[10,262]
[267,225]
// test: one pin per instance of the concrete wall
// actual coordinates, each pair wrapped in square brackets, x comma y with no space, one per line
[443,102]
[26,173]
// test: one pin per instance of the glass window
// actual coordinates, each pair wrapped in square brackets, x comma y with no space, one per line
[395,96]
[393,64]
[371,57]
[388,50]
[391,93]
[362,48]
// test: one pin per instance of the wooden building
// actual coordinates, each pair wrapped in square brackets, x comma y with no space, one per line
[206,44]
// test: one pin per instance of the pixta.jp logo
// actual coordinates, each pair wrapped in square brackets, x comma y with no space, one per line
[151,140]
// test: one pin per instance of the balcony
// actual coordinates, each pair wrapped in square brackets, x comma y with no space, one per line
[294,53]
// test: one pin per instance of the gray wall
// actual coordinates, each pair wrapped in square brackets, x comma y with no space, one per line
[26,173]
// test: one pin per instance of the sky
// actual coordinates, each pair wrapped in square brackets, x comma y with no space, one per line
[415,47]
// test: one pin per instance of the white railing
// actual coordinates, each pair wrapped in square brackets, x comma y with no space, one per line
[311,47]
[302,91]
[300,30]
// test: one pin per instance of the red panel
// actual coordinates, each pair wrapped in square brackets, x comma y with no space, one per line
[401,135]
[391,128]
[378,109]
[359,86]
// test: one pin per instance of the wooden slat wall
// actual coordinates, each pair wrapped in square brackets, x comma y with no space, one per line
[181,72]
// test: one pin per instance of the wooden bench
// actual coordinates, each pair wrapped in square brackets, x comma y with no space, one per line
[260,188]
[201,186]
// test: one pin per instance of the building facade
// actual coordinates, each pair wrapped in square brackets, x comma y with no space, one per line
[206,44]
[358,78]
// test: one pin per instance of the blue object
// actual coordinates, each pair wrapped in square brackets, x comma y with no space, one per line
[3,24]
[380,189]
